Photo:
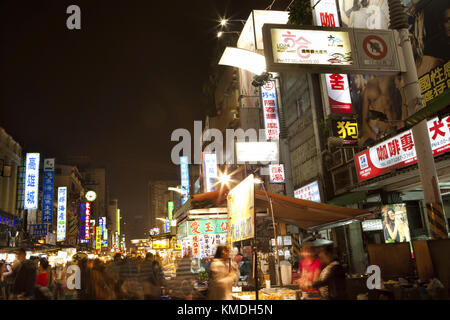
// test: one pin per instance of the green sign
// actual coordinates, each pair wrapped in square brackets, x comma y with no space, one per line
[199,227]
[170,209]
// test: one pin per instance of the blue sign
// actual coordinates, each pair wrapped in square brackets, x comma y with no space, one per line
[38,230]
[82,219]
[184,164]
[47,197]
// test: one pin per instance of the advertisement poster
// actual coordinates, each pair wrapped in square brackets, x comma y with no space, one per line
[241,210]
[400,150]
[395,223]
[431,34]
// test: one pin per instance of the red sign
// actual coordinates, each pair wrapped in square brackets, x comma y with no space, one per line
[399,151]
[375,47]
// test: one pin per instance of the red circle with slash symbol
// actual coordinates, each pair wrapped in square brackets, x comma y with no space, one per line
[375,47]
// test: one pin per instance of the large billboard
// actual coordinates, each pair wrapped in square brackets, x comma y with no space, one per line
[430,40]
[241,210]
[400,150]
[32,181]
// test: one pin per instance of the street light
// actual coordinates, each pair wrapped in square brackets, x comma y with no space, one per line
[179,190]
[220,33]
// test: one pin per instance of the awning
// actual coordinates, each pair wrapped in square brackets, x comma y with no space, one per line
[305,214]
[203,200]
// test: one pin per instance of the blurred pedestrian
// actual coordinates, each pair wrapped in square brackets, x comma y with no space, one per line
[148,278]
[42,282]
[7,280]
[102,286]
[221,281]
[113,268]
[310,268]
[24,272]
[131,288]
[185,278]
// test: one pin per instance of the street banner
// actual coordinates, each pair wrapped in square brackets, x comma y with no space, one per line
[270,111]
[400,150]
[62,211]
[47,196]
[241,210]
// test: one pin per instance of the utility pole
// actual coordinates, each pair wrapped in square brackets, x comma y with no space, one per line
[425,160]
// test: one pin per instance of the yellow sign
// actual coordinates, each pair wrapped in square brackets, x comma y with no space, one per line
[241,210]
[346,129]
[98,238]
[160,244]
[434,83]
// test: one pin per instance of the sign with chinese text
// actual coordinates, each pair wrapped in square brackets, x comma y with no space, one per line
[270,110]
[346,130]
[38,230]
[184,166]
[276,172]
[400,151]
[326,15]
[47,192]
[254,152]
[241,210]
[160,244]
[87,229]
[329,50]
[209,171]
[309,192]
[435,83]
[182,230]
[201,227]
[98,238]
[206,245]
[372,225]
[62,211]
[32,181]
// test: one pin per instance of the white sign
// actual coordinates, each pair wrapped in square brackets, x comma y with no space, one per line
[372,225]
[276,173]
[270,110]
[49,164]
[32,181]
[91,196]
[210,170]
[309,192]
[62,211]
[257,151]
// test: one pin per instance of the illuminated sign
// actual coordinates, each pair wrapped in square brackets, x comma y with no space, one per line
[270,110]
[400,150]
[38,230]
[62,211]
[209,170]
[160,244]
[254,152]
[98,238]
[329,50]
[118,221]
[47,191]
[372,225]
[184,166]
[241,210]
[82,220]
[435,83]
[200,227]
[182,230]
[87,228]
[243,59]
[346,130]
[276,172]
[309,192]
[32,181]
[104,230]
[91,196]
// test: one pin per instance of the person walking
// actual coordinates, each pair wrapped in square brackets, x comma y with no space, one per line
[102,284]
[7,280]
[42,282]
[309,268]
[332,282]
[184,279]
[24,272]
[221,281]
[147,275]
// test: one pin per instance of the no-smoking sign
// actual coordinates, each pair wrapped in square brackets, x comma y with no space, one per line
[375,47]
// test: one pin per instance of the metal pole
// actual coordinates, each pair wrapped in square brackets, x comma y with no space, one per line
[425,160]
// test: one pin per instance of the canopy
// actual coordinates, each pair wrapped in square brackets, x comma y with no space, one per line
[305,214]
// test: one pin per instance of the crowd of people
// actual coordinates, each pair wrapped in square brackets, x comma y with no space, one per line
[136,278]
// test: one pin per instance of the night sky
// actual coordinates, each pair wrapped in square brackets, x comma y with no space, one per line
[114,90]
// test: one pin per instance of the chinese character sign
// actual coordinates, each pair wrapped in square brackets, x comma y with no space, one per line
[87,228]
[47,196]
[400,151]
[241,211]
[202,227]
[98,238]
[82,220]
[62,211]
[309,192]
[32,181]
[346,130]
[184,166]
[435,83]
[276,172]
[270,111]
[38,230]
[209,171]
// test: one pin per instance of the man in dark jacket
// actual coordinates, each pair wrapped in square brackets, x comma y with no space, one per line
[25,276]
[332,281]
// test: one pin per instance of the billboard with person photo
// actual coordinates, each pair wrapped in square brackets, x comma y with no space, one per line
[430,27]
[395,223]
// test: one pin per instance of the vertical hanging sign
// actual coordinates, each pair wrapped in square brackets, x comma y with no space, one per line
[209,170]
[47,192]
[32,181]
[62,210]
[184,164]
[270,111]
[87,229]
[325,15]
